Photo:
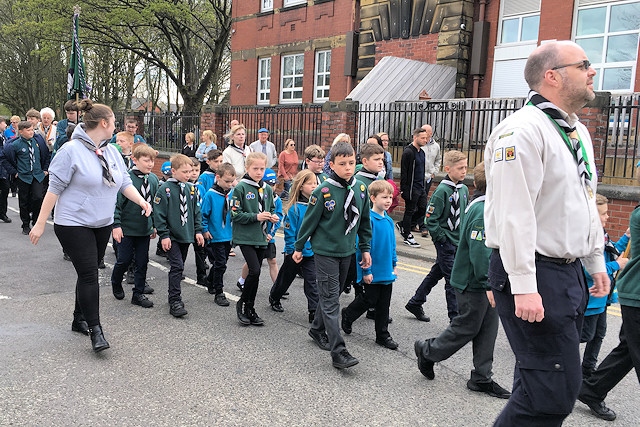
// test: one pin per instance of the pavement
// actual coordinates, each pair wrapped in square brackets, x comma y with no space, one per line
[426,251]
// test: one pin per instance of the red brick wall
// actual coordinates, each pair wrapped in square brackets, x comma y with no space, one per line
[423,48]
[556,18]
[619,213]
[492,15]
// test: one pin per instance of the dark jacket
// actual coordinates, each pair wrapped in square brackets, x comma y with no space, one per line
[8,156]
[411,174]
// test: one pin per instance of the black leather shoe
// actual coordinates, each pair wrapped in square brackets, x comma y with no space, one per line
[322,340]
[26,230]
[97,339]
[417,311]
[275,305]
[5,218]
[221,300]
[598,408]
[425,366]
[343,360]
[242,317]
[240,286]
[254,319]
[346,323]
[141,300]
[118,292]
[148,290]
[492,389]
[79,325]
[388,343]
[176,309]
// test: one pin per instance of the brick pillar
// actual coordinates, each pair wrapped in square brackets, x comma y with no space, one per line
[338,117]
[212,118]
[595,117]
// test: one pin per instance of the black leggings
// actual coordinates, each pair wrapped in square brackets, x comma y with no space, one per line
[253,256]
[85,246]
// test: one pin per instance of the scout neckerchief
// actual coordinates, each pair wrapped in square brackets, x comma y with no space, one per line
[351,212]
[32,151]
[145,187]
[225,205]
[569,136]
[610,247]
[46,131]
[453,221]
[184,213]
[107,178]
[261,205]
[475,200]
[238,149]
[365,173]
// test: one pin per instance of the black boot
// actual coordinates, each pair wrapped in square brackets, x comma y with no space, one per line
[242,317]
[254,319]
[79,324]
[97,339]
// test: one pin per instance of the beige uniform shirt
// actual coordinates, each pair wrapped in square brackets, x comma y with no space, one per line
[536,201]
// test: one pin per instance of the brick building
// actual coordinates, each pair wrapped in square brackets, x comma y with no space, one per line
[313,51]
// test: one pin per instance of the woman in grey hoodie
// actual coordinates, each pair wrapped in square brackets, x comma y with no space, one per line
[84,180]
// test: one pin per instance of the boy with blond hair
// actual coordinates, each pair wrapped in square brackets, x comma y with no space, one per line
[444,214]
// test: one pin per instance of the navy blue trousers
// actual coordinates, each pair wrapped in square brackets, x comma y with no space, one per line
[547,375]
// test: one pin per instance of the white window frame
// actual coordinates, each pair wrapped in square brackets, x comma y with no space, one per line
[293,2]
[600,67]
[264,93]
[324,74]
[266,5]
[291,90]
[519,18]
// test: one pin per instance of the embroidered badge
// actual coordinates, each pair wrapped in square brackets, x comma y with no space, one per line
[480,236]
[362,195]
[313,200]
[156,200]
[497,155]
[505,135]
[287,225]
[509,153]
[330,205]
[362,188]
[325,189]
[237,203]
[250,196]
[168,190]
[430,209]
[474,234]
[326,195]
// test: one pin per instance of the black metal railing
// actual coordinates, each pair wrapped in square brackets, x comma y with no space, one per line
[302,123]
[621,150]
[165,132]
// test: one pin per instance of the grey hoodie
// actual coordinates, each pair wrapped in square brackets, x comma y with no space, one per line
[75,175]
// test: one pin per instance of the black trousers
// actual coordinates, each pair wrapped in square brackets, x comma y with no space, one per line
[29,200]
[176,256]
[377,296]
[414,211]
[85,246]
[253,256]
[547,375]
[288,272]
[132,249]
[620,361]
[200,253]
[218,253]
[4,194]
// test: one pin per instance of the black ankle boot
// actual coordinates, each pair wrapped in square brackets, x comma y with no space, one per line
[241,311]
[79,324]
[97,339]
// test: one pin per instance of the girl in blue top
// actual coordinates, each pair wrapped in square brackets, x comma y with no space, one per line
[303,185]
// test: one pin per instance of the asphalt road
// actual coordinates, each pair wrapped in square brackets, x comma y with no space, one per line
[205,369]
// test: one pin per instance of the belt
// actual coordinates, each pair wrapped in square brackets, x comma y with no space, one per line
[560,261]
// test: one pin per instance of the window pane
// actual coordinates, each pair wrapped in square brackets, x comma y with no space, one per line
[287,82]
[509,31]
[327,79]
[328,62]
[299,64]
[617,79]
[288,66]
[591,21]
[297,94]
[622,48]
[530,26]
[625,17]
[298,81]
[596,79]
[593,48]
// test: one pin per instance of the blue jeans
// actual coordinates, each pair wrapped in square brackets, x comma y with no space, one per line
[446,252]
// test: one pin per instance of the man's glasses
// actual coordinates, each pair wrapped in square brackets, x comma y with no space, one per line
[584,64]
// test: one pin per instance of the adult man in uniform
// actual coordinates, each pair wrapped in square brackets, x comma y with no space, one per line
[541,220]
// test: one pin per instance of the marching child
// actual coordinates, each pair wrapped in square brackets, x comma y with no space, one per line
[377,279]
[176,215]
[303,185]
[132,230]
[165,170]
[252,211]
[208,177]
[216,226]
[124,143]
[444,214]
[372,156]
[338,211]
[199,251]
[314,161]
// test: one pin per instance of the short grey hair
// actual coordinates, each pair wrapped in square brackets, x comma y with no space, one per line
[542,59]
[49,111]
